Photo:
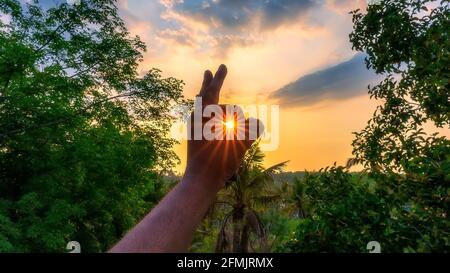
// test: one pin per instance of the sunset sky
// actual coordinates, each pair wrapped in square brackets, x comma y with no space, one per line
[294,53]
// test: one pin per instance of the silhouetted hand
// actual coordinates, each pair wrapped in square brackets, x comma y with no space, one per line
[216,160]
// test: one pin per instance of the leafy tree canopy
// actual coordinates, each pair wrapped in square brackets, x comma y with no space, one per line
[408,41]
[82,133]
[402,199]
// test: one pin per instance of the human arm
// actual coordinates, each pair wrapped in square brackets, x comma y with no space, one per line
[171,225]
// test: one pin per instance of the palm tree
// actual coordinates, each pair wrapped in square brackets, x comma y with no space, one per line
[251,190]
[296,198]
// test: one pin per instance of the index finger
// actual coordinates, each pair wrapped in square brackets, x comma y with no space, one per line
[217,82]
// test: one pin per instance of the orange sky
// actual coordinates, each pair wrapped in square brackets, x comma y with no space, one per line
[266,45]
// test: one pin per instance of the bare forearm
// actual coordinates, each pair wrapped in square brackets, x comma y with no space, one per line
[170,226]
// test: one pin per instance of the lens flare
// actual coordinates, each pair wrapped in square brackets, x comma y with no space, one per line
[229,124]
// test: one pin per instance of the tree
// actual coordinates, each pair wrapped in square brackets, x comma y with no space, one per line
[82,136]
[296,197]
[346,211]
[409,42]
[247,194]
[344,214]
[402,197]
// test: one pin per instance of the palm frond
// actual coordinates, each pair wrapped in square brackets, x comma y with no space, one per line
[351,162]
[266,175]
[265,200]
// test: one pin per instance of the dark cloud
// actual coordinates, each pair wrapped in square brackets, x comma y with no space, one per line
[345,80]
[239,13]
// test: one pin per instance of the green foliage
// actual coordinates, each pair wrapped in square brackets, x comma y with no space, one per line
[280,227]
[403,202]
[82,136]
[410,44]
[346,211]
[342,216]
[240,205]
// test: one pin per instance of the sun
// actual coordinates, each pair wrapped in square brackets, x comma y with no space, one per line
[229,124]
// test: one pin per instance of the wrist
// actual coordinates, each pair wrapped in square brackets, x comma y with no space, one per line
[211,181]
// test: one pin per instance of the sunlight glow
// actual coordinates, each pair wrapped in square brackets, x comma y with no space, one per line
[229,124]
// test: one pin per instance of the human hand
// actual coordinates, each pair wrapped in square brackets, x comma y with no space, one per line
[171,225]
[215,161]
